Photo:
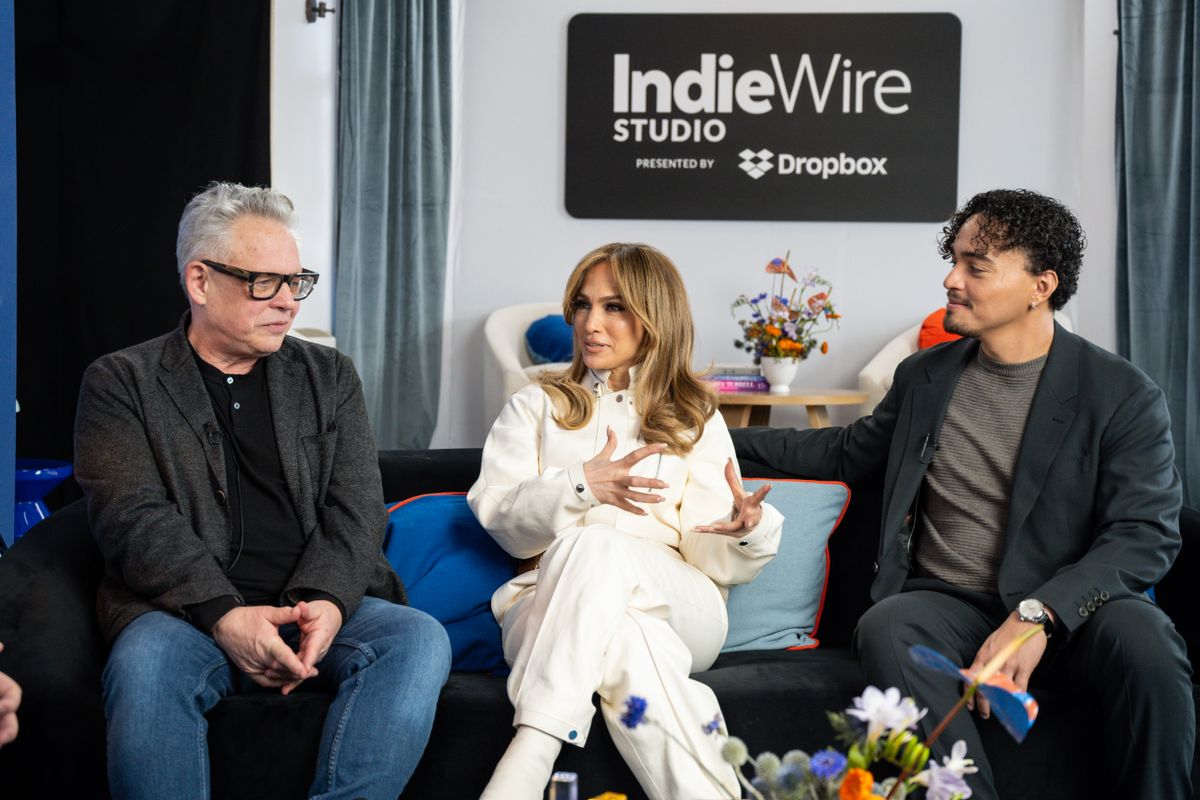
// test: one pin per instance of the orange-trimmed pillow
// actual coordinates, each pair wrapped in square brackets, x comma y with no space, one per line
[932,331]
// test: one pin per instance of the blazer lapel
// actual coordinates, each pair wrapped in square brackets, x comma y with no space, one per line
[287,392]
[1050,416]
[180,377]
[923,411]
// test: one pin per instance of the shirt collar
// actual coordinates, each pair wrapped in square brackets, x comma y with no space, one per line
[597,380]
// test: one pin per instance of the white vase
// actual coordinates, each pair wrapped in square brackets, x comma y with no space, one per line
[780,372]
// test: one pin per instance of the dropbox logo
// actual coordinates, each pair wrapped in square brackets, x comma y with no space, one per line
[756,164]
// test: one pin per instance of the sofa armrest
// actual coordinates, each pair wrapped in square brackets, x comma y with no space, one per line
[1176,592]
[53,648]
[876,377]
[408,473]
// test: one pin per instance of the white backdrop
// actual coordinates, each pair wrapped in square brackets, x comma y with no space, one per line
[1036,112]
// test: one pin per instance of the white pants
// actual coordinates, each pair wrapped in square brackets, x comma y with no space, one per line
[618,615]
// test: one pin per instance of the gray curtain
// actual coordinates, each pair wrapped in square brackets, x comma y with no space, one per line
[393,207]
[1158,214]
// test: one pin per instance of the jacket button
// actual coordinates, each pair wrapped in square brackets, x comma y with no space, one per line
[1091,606]
[220,497]
[1104,595]
[620,397]
[875,567]
[579,488]
[1083,612]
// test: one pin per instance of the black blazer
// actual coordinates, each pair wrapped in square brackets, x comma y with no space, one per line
[154,476]
[1094,510]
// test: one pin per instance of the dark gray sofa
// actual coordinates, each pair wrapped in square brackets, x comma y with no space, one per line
[263,745]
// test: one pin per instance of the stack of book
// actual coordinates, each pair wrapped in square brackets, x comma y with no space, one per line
[737,378]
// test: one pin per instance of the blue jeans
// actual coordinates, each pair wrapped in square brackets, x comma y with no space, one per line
[387,666]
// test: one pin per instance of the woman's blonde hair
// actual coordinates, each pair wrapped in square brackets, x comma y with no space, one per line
[674,403]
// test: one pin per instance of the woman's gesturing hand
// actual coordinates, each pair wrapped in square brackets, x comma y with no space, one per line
[747,508]
[611,482]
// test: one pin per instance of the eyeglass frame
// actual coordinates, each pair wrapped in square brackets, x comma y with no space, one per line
[250,278]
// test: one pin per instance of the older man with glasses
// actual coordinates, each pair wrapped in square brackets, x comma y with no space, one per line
[234,492]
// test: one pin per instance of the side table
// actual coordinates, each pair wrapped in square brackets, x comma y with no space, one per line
[743,409]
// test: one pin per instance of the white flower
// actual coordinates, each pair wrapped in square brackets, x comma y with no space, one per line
[885,711]
[956,764]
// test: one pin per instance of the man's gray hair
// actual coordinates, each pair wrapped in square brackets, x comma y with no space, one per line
[206,222]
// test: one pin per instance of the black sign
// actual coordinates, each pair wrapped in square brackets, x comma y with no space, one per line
[763,116]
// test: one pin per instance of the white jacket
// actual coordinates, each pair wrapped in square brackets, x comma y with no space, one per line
[532,486]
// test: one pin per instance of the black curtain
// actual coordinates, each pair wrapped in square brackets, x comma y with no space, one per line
[124,111]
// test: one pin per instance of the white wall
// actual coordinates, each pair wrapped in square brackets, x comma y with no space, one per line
[303,141]
[1025,121]
[1036,111]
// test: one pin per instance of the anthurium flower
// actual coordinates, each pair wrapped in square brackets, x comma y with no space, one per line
[778,266]
[1015,709]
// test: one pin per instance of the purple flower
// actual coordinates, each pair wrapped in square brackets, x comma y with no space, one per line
[944,783]
[635,712]
[827,763]
[713,726]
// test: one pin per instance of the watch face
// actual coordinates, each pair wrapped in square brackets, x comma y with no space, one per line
[1031,609]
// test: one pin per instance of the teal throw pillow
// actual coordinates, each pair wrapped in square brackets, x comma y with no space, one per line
[781,608]
[550,340]
[450,567]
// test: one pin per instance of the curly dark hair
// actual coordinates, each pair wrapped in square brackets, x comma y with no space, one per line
[1042,227]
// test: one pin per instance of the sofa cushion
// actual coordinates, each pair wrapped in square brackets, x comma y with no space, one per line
[932,332]
[450,567]
[781,608]
[549,340]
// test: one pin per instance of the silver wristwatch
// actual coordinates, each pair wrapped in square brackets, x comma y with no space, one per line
[1032,610]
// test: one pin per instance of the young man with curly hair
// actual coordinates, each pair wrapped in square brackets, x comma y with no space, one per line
[1029,483]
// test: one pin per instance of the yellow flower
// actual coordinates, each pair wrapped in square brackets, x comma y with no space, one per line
[857,785]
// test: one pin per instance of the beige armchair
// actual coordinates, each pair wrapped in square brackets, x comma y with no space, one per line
[876,377]
[506,363]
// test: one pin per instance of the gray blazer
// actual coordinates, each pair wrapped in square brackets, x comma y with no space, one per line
[1094,510]
[150,461]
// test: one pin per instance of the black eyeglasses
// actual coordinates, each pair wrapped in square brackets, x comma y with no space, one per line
[265,285]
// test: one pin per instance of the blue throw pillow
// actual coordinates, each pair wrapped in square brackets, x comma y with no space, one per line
[550,340]
[450,567]
[781,608]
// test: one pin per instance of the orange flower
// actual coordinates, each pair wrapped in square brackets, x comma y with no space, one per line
[788,344]
[857,785]
[771,329]
[824,347]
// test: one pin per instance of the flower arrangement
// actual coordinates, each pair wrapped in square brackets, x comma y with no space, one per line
[877,732]
[784,324]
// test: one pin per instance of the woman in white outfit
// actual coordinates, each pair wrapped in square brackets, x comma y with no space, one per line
[619,476]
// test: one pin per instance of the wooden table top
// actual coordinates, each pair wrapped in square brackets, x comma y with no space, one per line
[795,397]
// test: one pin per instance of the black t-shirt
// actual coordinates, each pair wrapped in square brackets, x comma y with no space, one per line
[267,538]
